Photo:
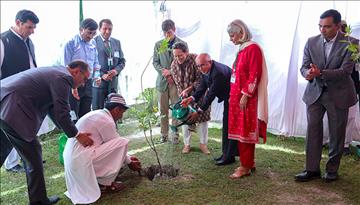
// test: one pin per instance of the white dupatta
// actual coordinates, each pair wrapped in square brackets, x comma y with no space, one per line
[262,112]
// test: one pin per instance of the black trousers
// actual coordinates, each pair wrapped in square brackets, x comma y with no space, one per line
[31,154]
[82,106]
[99,96]
[229,147]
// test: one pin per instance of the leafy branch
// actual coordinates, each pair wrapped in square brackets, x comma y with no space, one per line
[147,116]
[352,47]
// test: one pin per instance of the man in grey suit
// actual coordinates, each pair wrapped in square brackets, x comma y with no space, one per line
[112,61]
[327,66]
[164,83]
[25,99]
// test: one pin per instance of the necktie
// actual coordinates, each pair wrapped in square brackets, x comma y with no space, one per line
[107,47]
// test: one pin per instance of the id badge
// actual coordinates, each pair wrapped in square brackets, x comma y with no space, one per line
[116,54]
[233,78]
[110,61]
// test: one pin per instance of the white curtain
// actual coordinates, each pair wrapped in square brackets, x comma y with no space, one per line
[280,27]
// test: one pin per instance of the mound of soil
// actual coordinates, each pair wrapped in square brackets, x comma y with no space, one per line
[154,172]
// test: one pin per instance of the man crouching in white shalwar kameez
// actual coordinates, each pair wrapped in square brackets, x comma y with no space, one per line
[99,163]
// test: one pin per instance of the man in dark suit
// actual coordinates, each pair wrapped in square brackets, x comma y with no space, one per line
[17,54]
[17,50]
[112,61]
[215,80]
[327,66]
[25,99]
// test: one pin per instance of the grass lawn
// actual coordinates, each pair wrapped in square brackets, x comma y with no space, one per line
[202,182]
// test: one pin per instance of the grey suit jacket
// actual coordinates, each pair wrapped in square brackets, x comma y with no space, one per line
[27,97]
[118,59]
[336,71]
[161,61]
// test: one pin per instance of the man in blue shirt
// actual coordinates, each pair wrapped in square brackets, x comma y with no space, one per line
[83,46]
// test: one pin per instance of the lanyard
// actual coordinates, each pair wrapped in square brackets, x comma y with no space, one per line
[236,59]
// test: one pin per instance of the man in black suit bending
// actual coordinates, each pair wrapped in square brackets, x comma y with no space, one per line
[215,80]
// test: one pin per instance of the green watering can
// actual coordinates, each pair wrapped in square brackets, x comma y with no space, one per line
[181,113]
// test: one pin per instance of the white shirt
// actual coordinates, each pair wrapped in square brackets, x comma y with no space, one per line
[328,45]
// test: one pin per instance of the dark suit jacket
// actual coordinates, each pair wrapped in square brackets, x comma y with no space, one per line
[336,71]
[16,54]
[118,60]
[218,83]
[27,97]
[355,77]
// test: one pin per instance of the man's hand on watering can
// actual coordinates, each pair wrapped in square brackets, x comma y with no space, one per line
[185,102]
[193,117]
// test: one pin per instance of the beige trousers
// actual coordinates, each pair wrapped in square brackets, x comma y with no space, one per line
[171,95]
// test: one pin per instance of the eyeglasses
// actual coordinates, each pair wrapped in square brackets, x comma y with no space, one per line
[201,65]
[90,32]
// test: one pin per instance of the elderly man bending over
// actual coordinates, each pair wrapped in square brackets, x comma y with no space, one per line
[92,170]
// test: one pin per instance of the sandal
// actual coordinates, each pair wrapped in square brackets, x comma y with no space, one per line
[240,172]
[114,187]
[253,169]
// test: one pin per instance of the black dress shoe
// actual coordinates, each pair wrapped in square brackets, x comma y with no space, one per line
[49,201]
[17,169]
[218,158]
[54,199]
[330,177]
[307,176]
[225,162]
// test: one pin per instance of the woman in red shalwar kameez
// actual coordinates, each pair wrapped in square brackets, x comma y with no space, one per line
[248,97]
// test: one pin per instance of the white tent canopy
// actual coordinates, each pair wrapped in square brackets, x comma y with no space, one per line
[281,28]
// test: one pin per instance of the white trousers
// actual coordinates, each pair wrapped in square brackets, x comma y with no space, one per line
[13,158]
[202,129]
[86,167]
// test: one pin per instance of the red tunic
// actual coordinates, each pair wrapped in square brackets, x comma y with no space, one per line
[244,125]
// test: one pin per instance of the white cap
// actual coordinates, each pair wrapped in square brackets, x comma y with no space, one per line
[117,98]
